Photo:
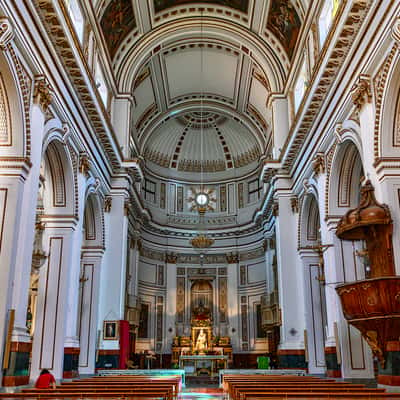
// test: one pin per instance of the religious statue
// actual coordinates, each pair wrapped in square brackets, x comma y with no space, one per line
[201,342]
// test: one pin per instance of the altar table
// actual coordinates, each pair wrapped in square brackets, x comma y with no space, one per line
[199,360]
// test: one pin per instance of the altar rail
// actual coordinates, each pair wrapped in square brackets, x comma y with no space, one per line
[152,372]
[298,372]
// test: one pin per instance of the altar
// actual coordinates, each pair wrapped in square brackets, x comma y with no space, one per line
[195,365]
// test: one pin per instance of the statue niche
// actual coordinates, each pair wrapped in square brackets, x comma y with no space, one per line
[201,316]
[201,296]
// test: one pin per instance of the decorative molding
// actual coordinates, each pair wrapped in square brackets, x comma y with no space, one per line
[318,164]
[361,92]
[294,203]
[41,93]
[252,254]
[396,30]
[107,204]
[6,33]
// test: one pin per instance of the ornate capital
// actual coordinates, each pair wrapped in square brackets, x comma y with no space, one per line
[171,258]
[396,30]
[107,204]
[361,92]
[6,33]
[294,203]
[127,207]
[275,209]
[135,242]
[232,258]
[41,93]
[271,243]
[84,163]
[319,163]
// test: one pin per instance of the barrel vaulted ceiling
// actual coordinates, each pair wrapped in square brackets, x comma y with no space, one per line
[222,58]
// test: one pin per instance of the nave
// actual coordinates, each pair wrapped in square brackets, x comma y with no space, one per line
[200,185]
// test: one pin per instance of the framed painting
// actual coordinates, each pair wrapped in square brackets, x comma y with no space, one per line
[110,330]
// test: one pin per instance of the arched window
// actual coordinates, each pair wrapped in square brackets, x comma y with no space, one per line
[326,17]
[75,13]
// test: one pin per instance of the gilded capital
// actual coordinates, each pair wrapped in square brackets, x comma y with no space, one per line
[41,93]
[6,33]
[107,204]
[319,163]
[127,207]
[294,203]
[275,209]
[361,92]
[84,163]
[232,258]
[171,258]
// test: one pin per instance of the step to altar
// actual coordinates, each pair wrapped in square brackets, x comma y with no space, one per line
[201,380]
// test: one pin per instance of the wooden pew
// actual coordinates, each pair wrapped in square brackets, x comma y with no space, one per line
[252,387]
[137,387]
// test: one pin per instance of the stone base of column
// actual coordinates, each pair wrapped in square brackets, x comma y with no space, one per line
[17,373]
[292,359]
[390,375]
[71,362]
[333,369]
[107,359]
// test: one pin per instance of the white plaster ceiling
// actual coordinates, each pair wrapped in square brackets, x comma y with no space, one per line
[202,142]
[225,56]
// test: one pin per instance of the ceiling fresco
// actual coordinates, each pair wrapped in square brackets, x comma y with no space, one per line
[285,24]
[117,21]
[240,5]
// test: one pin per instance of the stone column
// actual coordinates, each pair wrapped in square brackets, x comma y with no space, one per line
[18,373]
[314,310]
[87,325]
[170,307]
[233,310]
[71,343]
[362,99]
[53,297]
[14,171]
[113,271]
[332,356]
[291,352]
[12,177]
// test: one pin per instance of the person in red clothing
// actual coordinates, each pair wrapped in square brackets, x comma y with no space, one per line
[45,380]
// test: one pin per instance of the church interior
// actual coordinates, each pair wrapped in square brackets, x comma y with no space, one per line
[200,186]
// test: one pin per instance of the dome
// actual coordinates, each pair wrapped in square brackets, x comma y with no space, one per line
[202,142]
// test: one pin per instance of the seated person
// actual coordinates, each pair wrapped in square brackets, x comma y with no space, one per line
[45,380]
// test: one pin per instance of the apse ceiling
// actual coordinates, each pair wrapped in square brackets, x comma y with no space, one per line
[179,59]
